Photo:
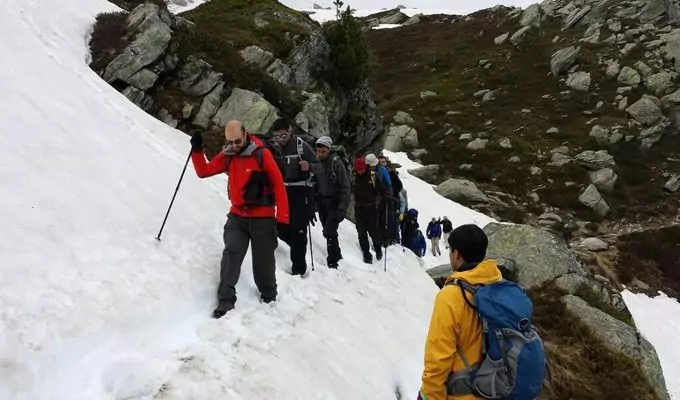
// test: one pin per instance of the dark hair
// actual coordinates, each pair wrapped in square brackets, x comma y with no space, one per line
[470,241]
[280,124]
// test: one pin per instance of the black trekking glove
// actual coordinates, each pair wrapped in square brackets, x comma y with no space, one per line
[197,142]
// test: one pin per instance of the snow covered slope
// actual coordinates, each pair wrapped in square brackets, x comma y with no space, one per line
[92,307]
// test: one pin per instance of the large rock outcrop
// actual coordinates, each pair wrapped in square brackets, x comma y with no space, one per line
[538,256]
[158,71]
[619,336]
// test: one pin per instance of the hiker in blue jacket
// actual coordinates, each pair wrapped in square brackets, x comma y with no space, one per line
[434,233]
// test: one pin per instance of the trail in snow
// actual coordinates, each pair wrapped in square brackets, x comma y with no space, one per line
[92,307]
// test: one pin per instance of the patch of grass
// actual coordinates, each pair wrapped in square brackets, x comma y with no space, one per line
[109,38]
[588,294]
[444,57]
[581,367]
[653,257]
[232,22]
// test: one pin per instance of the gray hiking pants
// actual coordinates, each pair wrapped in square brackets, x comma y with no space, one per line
[238,233]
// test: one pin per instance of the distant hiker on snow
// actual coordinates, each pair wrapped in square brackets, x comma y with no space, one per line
[368,191]
[510,359]
[413,238]
[333,194]
[434,233]
[258,201]
[447,227]
[397,188]
[298,164]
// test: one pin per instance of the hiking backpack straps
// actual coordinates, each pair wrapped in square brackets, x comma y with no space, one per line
[513,363]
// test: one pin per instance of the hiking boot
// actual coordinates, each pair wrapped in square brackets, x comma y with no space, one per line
[222,308]
[333,265]
[378,254]
[268,299]
[368,258]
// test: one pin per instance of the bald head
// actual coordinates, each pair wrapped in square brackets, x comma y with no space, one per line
[235,133]
[234,130]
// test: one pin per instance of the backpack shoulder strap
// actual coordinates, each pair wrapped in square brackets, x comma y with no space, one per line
[300,147]
[465,287]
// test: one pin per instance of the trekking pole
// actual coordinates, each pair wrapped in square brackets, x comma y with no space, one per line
[158,237]
[386,225]
[311,246]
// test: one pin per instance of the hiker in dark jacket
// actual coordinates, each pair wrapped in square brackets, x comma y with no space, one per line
[447,228]
[386,208]
[332,188]
[255,188]
[299,164]
[368,191]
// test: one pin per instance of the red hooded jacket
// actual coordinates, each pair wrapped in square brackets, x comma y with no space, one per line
[239,168]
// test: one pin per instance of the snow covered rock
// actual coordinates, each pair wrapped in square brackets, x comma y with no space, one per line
[538,255]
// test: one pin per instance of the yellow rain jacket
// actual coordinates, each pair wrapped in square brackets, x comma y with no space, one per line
[454,324]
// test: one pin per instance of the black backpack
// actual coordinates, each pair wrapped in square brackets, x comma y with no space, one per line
[273,145]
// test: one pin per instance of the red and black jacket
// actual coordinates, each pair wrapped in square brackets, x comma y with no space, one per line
[255,185]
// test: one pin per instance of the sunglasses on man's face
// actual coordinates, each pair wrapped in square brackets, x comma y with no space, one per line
[281,135]
[235,142]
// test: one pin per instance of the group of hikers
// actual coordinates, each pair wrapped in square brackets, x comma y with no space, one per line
[480,343]
[277,185]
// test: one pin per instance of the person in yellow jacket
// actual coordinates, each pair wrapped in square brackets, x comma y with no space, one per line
[455,327]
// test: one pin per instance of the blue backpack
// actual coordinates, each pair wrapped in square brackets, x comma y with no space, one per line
[513,362]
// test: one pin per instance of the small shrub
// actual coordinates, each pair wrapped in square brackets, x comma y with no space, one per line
[348,59]
[109,38]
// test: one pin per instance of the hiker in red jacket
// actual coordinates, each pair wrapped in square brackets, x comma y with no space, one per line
[258,202]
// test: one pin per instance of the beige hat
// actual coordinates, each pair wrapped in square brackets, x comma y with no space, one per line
[371,160]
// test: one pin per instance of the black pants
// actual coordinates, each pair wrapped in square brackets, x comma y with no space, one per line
[296,239]
[328,214]
[238,233]
[366,217]
[295,234]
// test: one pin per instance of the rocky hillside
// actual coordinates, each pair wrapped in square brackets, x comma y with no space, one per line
[235,59]
[569,108]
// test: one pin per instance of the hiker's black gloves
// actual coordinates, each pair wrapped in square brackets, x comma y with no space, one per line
[196,142]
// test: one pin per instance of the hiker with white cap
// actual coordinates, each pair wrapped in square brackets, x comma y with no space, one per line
[333,193]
